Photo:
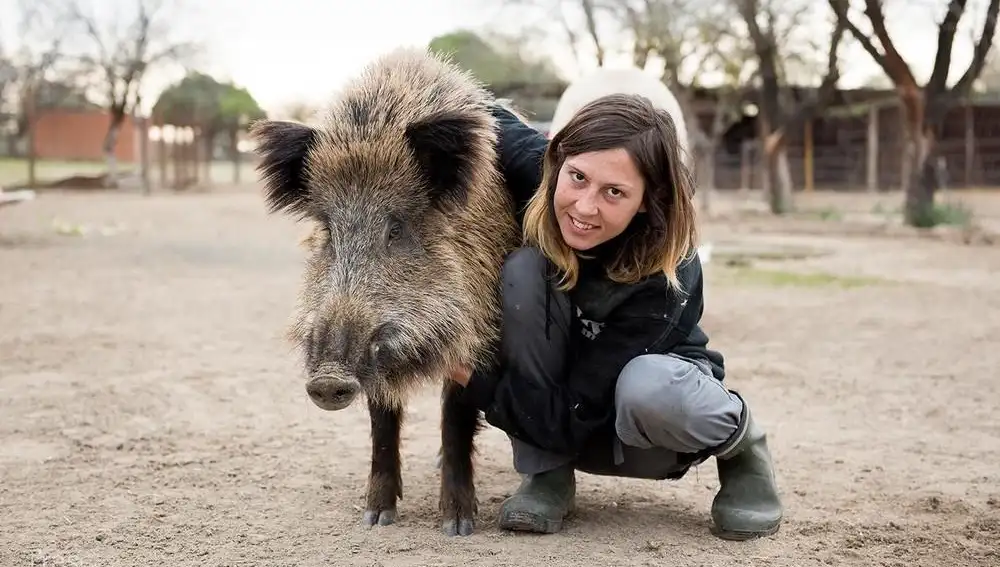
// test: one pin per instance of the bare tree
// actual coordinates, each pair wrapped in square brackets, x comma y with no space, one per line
[8,78]
[582,22]
[924,107]
[732,58]
[693,38]
[778,115]
[119,57]
[590,15]
[29,71]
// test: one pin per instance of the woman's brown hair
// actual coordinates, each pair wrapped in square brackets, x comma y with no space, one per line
[656,240]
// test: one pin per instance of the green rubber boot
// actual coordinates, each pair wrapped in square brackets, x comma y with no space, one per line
[747,505]
[541,502]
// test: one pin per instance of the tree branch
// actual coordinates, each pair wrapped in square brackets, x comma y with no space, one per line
[766,51]
[588,12]
[895,65]
[642,46]
[570,35]
[829,84]
[807,110]
[964,84]
[840,10]
[945,43]
[90,26]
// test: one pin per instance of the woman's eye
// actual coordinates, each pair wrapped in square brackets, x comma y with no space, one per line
[614,192]
[577,176]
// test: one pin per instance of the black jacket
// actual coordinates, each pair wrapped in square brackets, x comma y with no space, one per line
[612,324]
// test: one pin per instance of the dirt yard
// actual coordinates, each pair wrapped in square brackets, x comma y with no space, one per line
[152,415]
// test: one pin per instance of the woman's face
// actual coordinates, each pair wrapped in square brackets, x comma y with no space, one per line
[597,194]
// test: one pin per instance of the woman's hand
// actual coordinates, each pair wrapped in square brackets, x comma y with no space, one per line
[460,374]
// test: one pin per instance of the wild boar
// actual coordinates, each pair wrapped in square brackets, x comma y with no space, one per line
[410,226]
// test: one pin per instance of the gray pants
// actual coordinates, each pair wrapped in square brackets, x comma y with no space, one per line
[668,410]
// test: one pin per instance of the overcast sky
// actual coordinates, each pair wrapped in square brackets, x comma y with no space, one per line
[287,50]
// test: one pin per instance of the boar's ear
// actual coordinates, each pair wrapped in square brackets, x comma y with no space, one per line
[282,148]
[442,144]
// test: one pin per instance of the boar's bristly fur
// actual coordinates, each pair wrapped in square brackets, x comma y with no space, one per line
[410,226]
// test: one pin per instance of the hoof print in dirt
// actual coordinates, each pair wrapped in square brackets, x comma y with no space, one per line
[379,518]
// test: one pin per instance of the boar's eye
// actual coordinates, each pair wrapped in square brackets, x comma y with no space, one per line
[395,231]
[398,237]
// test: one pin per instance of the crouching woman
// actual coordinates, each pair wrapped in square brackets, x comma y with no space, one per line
[604,367]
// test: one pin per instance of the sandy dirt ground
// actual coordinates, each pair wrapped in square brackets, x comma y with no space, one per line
[150,413]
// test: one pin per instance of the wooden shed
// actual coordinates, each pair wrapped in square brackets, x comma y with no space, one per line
[857,143]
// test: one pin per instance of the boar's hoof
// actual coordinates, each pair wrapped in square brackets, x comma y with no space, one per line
[331,393]
[381,518]
[458,527]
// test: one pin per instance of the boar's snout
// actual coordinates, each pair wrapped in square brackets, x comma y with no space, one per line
[331,392]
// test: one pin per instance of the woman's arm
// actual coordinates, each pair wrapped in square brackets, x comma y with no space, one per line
[521,151]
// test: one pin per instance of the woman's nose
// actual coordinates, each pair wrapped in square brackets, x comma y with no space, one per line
[587,203]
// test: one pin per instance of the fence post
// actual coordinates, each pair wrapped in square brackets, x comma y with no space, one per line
[807,156]
[872,147]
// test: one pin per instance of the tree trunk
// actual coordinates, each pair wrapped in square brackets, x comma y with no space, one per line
[912,113]
[778,175]
[706,175]
[30,112]
[906,159]
[144,159]
[780,186]
[923,181]
[110,143]
[208,147]
[234,153]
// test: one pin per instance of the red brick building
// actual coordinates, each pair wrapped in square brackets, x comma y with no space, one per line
[79,135]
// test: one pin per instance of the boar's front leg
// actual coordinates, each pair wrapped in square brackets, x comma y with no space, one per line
[459,424]
[385,483]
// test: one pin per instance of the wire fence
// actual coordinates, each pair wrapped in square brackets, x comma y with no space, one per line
[846,167]
[839,153]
